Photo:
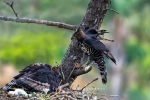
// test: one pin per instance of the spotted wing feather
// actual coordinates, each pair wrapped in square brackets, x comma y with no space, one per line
[95,44]
[35,78]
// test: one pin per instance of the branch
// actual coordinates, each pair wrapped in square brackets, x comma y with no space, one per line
[88,84]
[112,10]
[36,21]
[11,5]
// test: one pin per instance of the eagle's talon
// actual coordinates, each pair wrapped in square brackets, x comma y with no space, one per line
[83,67]
[76,65]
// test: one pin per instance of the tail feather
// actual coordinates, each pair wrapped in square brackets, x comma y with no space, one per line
[101,66]
[104,77]
[110,56]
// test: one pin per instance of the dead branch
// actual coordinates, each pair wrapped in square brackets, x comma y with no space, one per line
[62,96]
[36,21]
[88,84]
[77,87]
[12,7]
[112,10]
[63,86]
[71,72]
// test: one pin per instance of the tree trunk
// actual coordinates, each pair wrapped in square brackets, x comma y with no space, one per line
[93,19]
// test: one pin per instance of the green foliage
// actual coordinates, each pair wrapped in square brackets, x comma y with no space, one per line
[137,94]
[23,47]
[138,52]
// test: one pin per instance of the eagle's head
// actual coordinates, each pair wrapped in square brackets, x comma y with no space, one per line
[79,35]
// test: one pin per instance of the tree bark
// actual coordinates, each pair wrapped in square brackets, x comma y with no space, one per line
[93,19]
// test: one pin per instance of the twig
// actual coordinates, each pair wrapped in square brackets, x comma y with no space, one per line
[92,92]
[112,10]
[88,84]
[101,38]
[36,21]
[77,87]
[72,83]
[62,73]
[63,86]
[73,94]
[70,97]
[103,98]
[54,95]
[71,72]
[11,5]
[61,96]
[60,83]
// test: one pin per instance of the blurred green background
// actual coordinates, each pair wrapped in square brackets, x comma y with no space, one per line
[24,44]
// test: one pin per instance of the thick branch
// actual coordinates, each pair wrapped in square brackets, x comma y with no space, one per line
[36,21]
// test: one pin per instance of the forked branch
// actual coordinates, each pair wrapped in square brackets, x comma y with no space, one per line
[35,21]
[12,7]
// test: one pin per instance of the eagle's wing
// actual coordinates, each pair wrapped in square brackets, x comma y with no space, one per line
[110,56]
[35,78]
[100,47]
[95,44]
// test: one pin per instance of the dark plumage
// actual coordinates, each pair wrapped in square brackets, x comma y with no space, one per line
[95,49]
[36,78]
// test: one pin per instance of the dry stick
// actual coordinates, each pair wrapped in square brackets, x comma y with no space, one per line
[54,95]
[60,68]
[112,10]
[101,32]
[73,94]
[88,84]
[59,89]
[92,92]
[60,83]
[72,83]
[61,96]
[71,72]
[70,97]
[27,20]
[77,87]
[107,40]
[63,86]
[11,5]
[103,98]
[62,73]
[36,21]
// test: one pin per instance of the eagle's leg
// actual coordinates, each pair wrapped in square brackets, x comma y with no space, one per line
[82,59]
[81,62]
[88,60]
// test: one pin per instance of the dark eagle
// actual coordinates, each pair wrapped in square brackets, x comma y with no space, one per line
[94,49]
[37,77]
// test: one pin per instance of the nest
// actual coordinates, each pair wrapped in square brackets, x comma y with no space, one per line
[63,92]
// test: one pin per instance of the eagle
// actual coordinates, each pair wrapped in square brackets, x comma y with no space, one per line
[39,78]
[94,48]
